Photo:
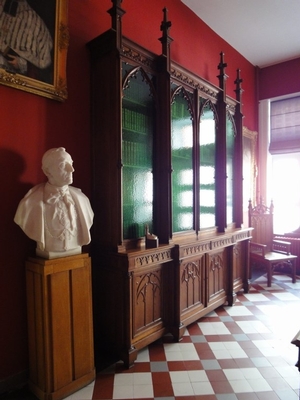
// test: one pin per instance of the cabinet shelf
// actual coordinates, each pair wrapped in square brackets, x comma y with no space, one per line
[135,105]
[132,132]
[137,166]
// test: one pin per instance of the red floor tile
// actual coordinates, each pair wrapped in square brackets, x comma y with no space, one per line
[221,387]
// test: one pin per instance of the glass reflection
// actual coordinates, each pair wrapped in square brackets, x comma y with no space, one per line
[229,167]
[137,149]
[182,164]
[207,195]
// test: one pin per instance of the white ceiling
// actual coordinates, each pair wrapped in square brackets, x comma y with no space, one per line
[265,32]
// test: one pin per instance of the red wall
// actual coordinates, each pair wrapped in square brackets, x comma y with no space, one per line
[31,124]
[279,80]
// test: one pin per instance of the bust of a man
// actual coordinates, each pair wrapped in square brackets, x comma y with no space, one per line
[57,216]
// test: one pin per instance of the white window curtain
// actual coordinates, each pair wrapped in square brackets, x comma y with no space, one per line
[285,150]
[285,126]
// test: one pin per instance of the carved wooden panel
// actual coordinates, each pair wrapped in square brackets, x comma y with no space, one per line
[147,300]
[191,283]
[240,266]
[217,275]
[237,261]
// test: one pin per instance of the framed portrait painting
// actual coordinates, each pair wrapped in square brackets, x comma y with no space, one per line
[34,39]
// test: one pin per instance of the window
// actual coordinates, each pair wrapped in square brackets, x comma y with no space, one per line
[285,126]
[285,151]
[286,192]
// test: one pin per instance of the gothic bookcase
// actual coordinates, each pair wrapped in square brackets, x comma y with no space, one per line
[167,155]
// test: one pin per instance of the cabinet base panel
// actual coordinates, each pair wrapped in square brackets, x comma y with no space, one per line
[129,356]
[65,391]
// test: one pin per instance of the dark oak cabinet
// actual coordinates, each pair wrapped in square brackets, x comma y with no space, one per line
[167,159]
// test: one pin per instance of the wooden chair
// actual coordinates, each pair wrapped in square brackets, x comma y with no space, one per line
[264,250]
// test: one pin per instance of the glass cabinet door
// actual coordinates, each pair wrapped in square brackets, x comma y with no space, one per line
[230,134]
[138,122]
[207,168]
[182,161]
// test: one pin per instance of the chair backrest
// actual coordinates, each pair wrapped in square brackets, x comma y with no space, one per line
[261,219]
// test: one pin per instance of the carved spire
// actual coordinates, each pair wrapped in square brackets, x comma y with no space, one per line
[239,90]
[166,40]
[222,76]
[116,13]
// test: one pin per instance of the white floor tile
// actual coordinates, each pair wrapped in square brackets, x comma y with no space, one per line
[269,352]
[123,392]
[234,374]
[259,385]
[241,386]
[189,355]
[256,297]
[293,381]
[142,378]
[238,311]
[143,355]
[292,285]
[174,356]
[198,376]
[251,373]
[282,277]
[227,350]
[287,371]
[286,296]
[179,376]
[143,391]
[263,344]
[202,388]
[213,328]
[180,351]
[260,362]
[123,380]
[269,310]
[171,347]
[252,327]
[183,389]
[222,354]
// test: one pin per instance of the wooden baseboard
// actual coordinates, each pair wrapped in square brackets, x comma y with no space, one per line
[14,382]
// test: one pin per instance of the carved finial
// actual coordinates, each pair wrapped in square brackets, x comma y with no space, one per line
[238,83]
[222,65]
[165,39]
[238,80]
[222,76]
[165,25]
[271,207]
[116,13]
[238,90]
[250,205]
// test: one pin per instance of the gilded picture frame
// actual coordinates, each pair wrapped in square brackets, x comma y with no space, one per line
[34,39]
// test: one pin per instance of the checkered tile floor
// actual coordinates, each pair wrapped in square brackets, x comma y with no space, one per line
[242,352]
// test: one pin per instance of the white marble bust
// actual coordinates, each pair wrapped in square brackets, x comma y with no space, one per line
[57,216]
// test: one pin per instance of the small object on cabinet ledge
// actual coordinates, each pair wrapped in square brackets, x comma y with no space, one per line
[151,240]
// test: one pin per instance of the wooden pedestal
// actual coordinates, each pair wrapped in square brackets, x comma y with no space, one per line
[60,325]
